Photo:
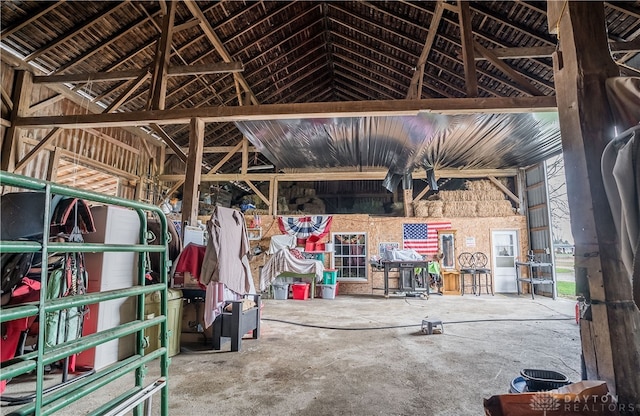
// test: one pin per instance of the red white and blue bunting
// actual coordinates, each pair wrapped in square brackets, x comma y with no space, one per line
[305,227]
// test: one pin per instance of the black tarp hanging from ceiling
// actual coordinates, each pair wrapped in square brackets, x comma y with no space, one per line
[404,143]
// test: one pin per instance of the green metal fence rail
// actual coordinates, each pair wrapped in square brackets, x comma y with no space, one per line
[48,402]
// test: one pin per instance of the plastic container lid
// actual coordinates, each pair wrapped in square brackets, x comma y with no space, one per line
[172,294]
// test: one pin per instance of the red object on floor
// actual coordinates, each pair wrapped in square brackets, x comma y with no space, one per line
[27,291]
[300,291]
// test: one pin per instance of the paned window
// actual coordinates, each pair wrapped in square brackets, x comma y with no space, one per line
[350,255]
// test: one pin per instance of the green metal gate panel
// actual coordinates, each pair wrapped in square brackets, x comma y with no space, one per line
[46,403]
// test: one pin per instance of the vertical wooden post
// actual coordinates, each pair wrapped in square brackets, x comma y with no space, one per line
[468,54]
[190,196]
[161,63]
[21,98]
[274,206]
[610,335]
[245,155]
[54,160]
[408,202]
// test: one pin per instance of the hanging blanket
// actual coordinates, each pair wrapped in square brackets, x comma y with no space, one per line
[226,256]
[279,242]
[284,261]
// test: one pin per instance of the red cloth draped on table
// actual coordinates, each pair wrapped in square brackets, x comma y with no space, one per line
[305,227]
[190,260]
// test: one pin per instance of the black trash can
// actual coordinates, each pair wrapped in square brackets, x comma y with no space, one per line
[543,380]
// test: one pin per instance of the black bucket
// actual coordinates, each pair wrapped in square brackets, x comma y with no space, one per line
[543,380]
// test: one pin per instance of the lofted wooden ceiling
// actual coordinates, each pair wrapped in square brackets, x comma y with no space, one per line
[232,53]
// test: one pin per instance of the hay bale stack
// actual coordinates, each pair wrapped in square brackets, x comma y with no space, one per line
[313,206]
[436,209]
[296,191]
[479,186]
[429,208]
[256,211]
[282,204]
[459,209]
[501,208]
[421,208]
[480,199]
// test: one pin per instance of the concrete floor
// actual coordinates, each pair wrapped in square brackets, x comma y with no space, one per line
[307,370]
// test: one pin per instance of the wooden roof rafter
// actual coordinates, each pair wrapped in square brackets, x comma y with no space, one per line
[303,52]
[76,30]
[104,44]
[318,89]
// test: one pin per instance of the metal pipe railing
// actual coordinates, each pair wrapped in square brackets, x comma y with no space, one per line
[38,359]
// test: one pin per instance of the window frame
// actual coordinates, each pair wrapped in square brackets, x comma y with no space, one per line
[339,256]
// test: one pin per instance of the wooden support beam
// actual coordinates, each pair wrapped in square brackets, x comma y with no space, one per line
[547,51]
[408,202]
[351,175]
[158,90]
[224,160]
[52,166]
[124,96]
[466,39]
[415,87]
[89,77]
[83,102]
[45,103]
[6,100]
[506,190]
[245,155]
[113,106]
[174,71]
[206,69]
[610,336]
[34,151]
[218,45]
[5,123]
[215,149]
[20,100]
[257,192]
[510,72]
[422,193]
[298,110]
[191,194]
[520,53]
[147,149]
[170,142]
[174,188]
[186,25]
[274,198]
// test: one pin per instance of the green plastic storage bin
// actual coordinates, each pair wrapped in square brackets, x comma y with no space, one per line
[174,320]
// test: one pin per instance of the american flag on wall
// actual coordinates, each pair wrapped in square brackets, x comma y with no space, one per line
[422,237]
